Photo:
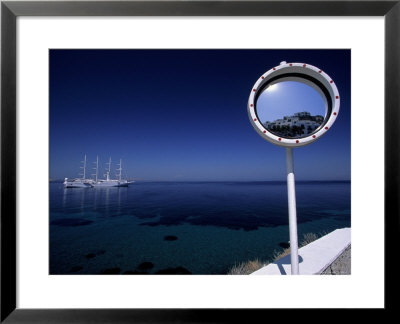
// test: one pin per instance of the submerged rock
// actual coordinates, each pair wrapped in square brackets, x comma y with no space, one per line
[145,266]
[170,238]
[111,271]
[134,272]
[75,269]
[94,254]
[178,270]
[284,245]
[71,222]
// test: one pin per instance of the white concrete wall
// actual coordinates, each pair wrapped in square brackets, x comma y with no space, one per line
[315,257]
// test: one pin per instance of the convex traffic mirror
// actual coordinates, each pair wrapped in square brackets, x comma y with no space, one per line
[293,104]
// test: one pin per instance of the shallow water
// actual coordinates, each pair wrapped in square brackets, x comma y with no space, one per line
[184,227]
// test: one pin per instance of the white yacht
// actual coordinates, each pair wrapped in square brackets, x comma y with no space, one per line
[107,182]
[79,182]
[76,183]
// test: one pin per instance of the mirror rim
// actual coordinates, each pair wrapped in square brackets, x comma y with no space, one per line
[307,72]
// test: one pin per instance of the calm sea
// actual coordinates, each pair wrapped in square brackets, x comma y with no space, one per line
[184,227]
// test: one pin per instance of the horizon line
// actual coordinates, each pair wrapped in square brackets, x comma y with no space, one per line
[297,180]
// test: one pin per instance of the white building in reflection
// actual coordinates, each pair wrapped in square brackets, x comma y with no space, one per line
[301,123]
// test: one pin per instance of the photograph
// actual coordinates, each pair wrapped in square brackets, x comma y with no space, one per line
[199,161]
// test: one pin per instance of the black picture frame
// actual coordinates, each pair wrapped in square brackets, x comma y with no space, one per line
[10,10]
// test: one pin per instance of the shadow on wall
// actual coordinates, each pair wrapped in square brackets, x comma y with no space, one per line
[285,260]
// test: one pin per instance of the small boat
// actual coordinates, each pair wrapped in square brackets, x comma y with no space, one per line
[79,182]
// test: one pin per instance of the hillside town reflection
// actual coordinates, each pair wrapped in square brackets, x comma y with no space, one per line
[298,125]
[291,109]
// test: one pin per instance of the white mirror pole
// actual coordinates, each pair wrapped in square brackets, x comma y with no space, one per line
[294,257]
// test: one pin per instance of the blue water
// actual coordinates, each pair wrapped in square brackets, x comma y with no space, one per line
[184,227]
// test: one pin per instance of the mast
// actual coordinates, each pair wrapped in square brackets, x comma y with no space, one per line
[109,169]
[84,168]
[120,170]
[96,168]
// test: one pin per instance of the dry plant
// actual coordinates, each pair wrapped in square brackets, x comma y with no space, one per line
[280,255]
[246,268]
[308,238]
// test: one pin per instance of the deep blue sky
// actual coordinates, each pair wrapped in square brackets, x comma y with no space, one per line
[181,115]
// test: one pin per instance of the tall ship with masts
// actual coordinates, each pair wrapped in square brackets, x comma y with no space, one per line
[79,182]
[108,182]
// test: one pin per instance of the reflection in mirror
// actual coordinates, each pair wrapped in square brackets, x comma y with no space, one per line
[291,109]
